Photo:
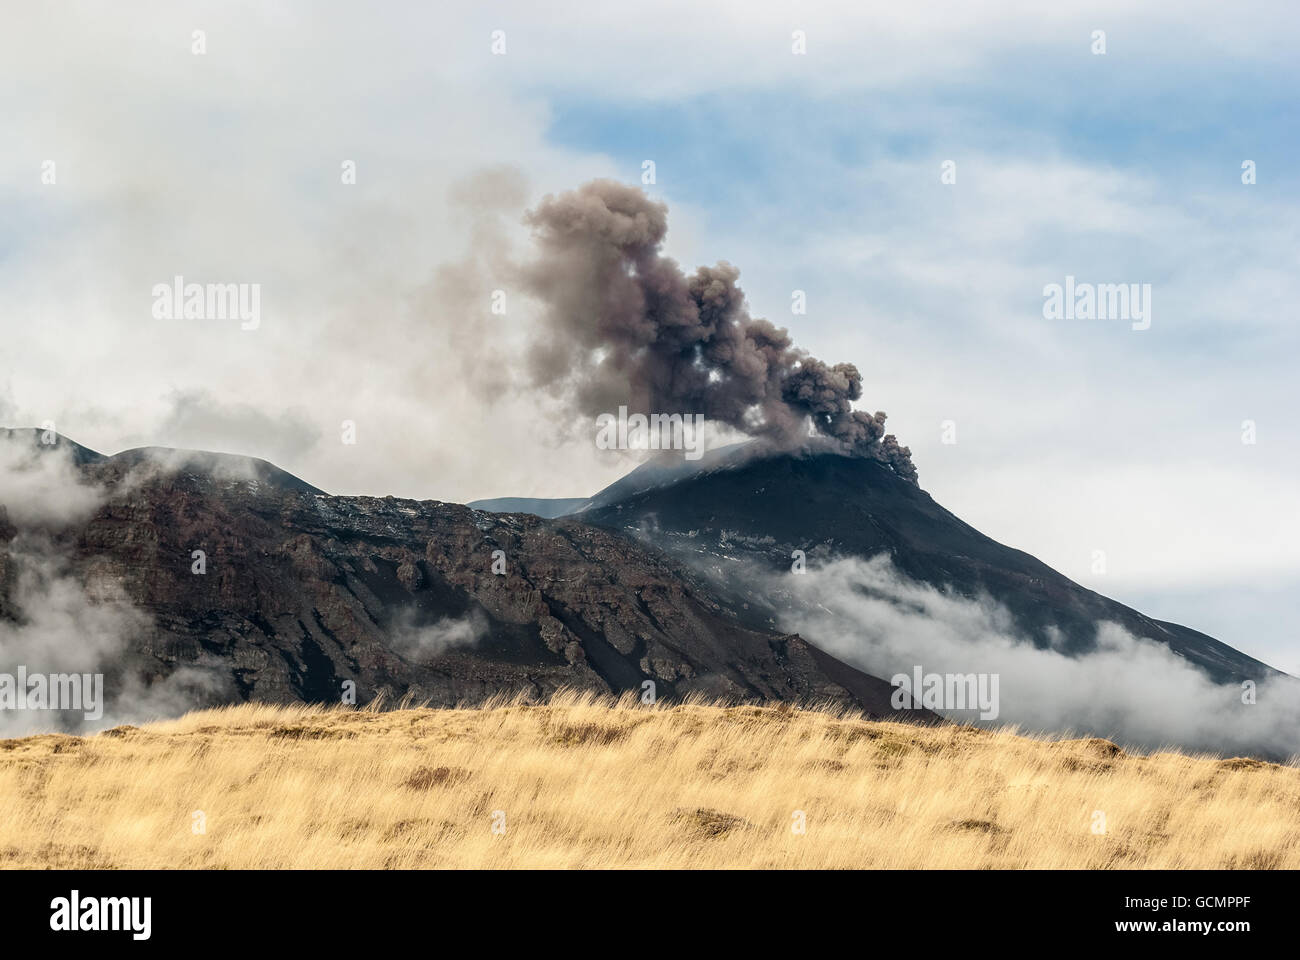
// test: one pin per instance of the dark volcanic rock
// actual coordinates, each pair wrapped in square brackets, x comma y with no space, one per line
[744,512]
[303,592]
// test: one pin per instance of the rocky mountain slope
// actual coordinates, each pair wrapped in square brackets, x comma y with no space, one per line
[737,512]
[300,593]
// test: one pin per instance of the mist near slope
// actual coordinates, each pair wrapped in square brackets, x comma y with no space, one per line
[57,620]
[41,489]
[420,643]
[1132,690]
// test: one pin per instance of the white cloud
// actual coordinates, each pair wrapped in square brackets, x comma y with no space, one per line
[61,617]
[1130,689]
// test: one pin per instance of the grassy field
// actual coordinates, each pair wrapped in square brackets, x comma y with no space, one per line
[589,783]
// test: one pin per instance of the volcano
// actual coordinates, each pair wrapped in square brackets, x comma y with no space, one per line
[761,509]
[740,510]
[254,585]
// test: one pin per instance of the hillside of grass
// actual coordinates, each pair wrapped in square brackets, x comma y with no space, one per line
[585,782]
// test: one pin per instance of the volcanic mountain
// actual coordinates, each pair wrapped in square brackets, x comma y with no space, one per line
[738,511]
[243,582]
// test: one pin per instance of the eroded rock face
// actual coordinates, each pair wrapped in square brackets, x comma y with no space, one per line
[302,592]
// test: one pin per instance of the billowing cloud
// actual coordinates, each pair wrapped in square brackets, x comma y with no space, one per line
[1129,689]
[59,618]
[624,325]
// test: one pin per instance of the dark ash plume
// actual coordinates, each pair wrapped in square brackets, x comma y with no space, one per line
[621,318]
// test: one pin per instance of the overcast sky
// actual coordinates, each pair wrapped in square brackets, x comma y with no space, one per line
[818,172]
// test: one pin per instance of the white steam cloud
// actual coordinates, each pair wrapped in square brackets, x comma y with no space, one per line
[1130,689]
[56,619]
[422,643]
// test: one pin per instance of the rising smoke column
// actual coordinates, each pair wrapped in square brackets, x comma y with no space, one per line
[625,325]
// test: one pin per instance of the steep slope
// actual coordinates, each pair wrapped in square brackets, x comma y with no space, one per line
[759,510]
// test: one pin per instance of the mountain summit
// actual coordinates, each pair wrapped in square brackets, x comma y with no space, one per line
[745,512]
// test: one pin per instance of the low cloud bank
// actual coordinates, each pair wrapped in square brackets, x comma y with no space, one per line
[1132,690]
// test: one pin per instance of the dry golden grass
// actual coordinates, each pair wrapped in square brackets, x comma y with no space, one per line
[591,783]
